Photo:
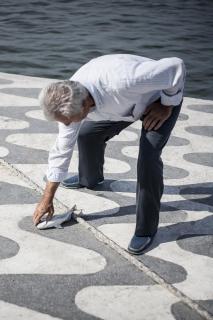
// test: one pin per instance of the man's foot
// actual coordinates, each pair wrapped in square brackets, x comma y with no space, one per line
[73,183]
[138,244]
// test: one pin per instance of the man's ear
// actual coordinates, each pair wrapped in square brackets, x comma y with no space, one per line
[86,108]
[69,81]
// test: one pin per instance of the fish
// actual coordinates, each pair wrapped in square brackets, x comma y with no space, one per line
[57,220]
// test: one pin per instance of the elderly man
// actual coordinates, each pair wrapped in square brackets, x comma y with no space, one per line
[103,97]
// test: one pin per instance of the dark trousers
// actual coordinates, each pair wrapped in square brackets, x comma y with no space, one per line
[92,140]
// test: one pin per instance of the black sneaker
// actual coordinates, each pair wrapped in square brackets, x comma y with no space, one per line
[73,183]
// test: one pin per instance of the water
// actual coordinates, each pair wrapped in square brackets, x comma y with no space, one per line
[54,38]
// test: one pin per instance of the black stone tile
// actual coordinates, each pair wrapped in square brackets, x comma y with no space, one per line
[22,92]
[15,194]
[176,141]
[198,244]
[206,108]
[206,131]
[207,304]
[171,272]
[5,81]
[181,311]
[8,248]
[183,117]
[171,172]
[202,158]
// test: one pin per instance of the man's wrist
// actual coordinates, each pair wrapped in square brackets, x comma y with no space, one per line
[50,190]
[170,106]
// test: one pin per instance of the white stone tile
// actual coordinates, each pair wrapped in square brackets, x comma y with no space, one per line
[126,302]
[196,285]
[198,173]
[36,141]
[125,135]
[39,255]
[131,151]
[89,203]
[115,166]
[121,233]
[9,177]
[34,171]
[22,81]
[36,114]
[9,311]
[9,100]
[3,152]
[7,123]
[46,141]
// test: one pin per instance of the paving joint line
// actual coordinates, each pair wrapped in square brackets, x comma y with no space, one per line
[103,238]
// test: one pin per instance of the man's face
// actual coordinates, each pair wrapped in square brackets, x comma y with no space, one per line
[78,117]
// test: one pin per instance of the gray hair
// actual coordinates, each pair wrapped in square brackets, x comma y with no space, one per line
[63,97]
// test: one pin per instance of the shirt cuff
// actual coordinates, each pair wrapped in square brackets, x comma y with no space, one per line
[56,175]
[171,100]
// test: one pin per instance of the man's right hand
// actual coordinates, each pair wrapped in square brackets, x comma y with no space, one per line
[45,206]
[46,203]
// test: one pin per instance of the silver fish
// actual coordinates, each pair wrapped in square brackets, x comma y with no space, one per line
[56,221]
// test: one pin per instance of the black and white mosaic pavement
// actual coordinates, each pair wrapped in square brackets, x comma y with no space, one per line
[68,274]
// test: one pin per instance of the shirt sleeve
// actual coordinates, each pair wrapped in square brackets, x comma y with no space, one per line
[61,152]
[167,75]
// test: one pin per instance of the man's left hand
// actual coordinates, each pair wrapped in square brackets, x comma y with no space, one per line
[155,115]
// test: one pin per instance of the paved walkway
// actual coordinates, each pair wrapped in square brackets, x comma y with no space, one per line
[84,271]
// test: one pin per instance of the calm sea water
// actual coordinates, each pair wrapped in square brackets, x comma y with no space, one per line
[53,38]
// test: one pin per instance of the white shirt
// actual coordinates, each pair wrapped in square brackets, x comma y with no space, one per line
[122,86]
